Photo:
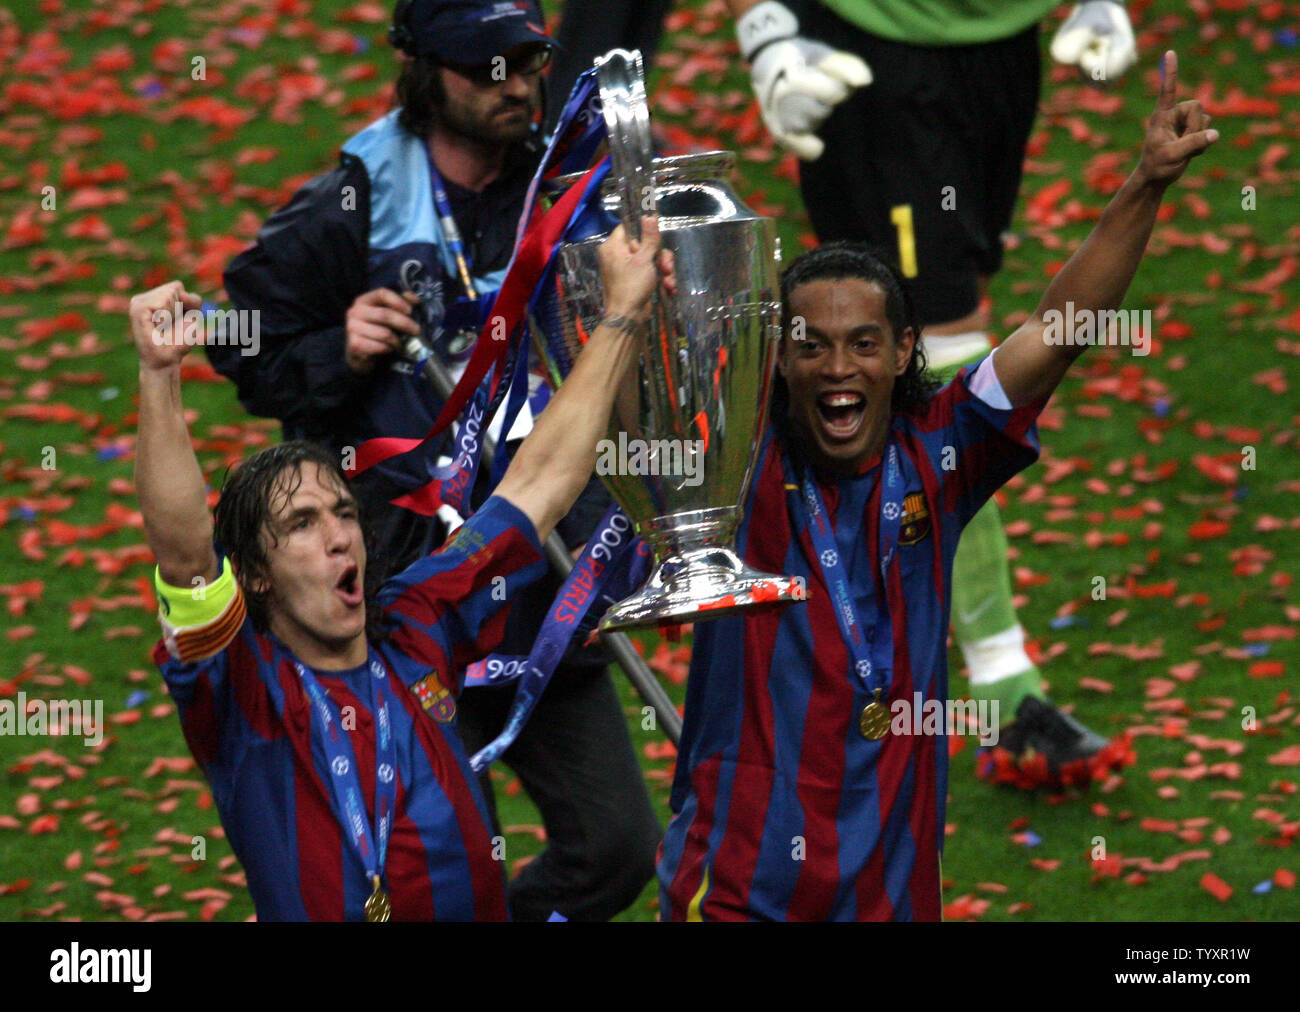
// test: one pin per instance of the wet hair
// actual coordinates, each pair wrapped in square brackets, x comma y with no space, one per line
[421,94]
[836,261]
[251,497]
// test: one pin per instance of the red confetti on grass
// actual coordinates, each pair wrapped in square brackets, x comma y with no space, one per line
[1289,756]
[1266,669]
[657,750]
[1216,887]
[1206,530]
[965,908]
[43,824]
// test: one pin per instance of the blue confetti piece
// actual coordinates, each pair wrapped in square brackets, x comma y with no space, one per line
[361,45]
[1264,887]
[26,512]
[1160,407]
[136,698]
[1031,839]
[1240,492]
[557,917]
[1287,37]
[110,452]
[1256,649]
[152,89]
[1065,621]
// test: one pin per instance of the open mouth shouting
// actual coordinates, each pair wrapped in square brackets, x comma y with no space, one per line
[349,587]
[841,414]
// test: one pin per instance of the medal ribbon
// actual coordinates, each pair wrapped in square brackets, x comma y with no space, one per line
[872,649]
[371,846]
[613,551]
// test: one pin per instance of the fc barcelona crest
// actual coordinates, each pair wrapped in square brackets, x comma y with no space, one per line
[915,524]
[436,700]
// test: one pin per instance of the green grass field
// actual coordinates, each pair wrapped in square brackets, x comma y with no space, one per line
[158,135]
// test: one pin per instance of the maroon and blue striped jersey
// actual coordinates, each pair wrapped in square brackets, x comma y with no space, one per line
[782,810]
[248,721]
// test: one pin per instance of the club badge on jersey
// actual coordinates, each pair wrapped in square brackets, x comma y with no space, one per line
[434,697]
[916,519]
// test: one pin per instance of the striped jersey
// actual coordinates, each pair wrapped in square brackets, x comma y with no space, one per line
[782,810]
[248,721]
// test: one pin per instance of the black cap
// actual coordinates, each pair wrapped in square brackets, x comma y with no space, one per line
[466,32]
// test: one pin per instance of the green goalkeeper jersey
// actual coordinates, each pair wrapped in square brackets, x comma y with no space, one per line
[942,22]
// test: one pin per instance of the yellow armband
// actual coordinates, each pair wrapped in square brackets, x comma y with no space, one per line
[199,621]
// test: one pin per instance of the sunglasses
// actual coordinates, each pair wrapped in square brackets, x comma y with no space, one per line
[500,68]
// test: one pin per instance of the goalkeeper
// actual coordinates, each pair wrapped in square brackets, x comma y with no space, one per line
[926,162]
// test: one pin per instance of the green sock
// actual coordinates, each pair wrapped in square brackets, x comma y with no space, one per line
[981,579]
[1009,692]
[982,610]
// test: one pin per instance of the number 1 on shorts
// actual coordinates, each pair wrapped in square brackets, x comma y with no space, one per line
[901,216]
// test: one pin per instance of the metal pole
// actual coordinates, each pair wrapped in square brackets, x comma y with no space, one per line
[557,554]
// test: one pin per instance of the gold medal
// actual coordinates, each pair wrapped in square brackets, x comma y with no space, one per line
[874,722]
[378,909]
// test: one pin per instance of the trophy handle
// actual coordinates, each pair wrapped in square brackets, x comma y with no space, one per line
[621,75]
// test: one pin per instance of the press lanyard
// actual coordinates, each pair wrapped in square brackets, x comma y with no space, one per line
[449,230]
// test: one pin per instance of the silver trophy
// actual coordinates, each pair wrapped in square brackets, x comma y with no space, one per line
[686,424]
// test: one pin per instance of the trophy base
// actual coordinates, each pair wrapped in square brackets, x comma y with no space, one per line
[698,576]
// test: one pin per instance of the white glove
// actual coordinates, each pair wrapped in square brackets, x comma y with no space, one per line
[797,81]
[1098,37]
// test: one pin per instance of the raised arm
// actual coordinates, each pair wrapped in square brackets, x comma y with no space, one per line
[1032,361]
[168,481]
[556,460]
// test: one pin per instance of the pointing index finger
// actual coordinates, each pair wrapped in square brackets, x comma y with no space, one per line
[1168,81]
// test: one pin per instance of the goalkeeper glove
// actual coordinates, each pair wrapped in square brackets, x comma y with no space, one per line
[797,81]
[1098,37]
